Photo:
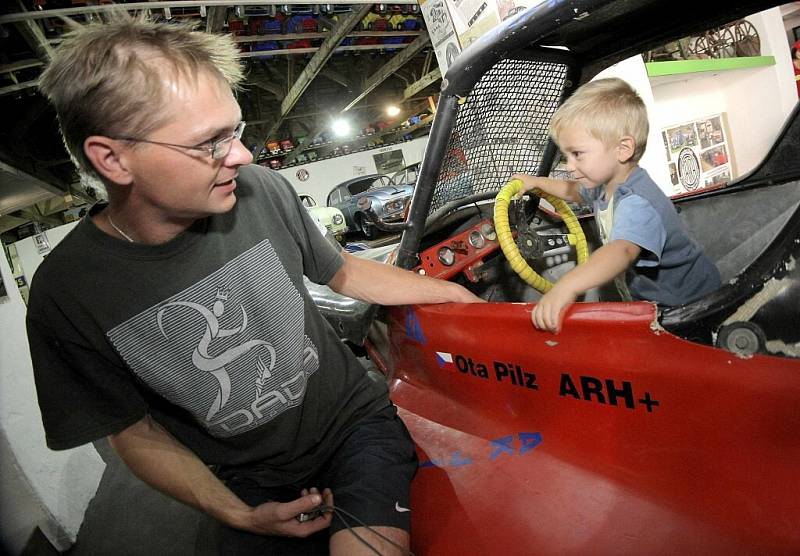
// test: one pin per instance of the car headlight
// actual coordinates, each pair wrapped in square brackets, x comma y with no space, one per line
[395,206]
[337,219]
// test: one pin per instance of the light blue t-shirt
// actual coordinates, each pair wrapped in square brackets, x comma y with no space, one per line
[672,269]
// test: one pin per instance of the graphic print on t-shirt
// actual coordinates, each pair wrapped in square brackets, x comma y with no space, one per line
[230,349]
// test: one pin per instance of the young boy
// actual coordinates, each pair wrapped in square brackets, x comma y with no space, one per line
[602,131]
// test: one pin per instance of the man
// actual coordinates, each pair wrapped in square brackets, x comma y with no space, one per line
[174,320]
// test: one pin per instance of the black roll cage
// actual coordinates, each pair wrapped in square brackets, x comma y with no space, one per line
[592,33]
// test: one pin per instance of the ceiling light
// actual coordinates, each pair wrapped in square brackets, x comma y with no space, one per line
[392,110]
[341,128]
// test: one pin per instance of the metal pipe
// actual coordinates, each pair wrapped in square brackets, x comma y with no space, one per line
[426,182]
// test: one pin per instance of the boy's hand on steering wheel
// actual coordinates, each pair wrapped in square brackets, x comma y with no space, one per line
[528,181]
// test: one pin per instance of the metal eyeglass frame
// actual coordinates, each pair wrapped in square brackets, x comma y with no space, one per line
[218,149]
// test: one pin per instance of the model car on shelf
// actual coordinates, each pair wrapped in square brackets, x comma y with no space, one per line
[274,147]
[374,192]
[637,429]
[329,218]
[375,22]
[403,22]
[271,26]
[302,24]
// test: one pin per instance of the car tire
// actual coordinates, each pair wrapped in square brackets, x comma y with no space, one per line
[742,338]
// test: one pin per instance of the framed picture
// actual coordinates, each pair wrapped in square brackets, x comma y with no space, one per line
[389,162]
[698,154]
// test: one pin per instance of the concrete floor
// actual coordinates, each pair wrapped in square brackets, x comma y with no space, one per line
[129,518]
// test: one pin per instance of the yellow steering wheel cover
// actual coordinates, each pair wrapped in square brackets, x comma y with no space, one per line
[576,236]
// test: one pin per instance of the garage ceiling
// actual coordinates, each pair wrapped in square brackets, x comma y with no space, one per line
[306,64]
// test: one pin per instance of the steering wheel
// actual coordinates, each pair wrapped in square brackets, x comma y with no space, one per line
[575,237]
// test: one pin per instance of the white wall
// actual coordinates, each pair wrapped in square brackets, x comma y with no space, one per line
[654,160]
[324,175]
[59,485]
[29,256]
[757,100]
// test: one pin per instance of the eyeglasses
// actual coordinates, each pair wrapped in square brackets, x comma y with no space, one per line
[218,149]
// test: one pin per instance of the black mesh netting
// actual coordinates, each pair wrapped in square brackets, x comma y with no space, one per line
[501,128]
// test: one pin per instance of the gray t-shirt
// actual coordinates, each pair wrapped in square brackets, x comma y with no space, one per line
[212,333]
[672,268]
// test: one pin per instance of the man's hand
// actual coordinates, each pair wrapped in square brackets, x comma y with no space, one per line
[549,312]
[374,282]
[280,519]
[463,295]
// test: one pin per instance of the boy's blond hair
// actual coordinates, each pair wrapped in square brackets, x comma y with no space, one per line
[109,78]
[608,109]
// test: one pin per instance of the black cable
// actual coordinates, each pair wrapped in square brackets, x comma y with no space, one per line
[341,513]
[356,535]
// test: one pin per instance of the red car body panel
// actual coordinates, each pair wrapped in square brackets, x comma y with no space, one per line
[612,437]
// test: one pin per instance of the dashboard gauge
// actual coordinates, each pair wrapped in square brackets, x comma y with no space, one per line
[488,231]
[476,239]
[446,256]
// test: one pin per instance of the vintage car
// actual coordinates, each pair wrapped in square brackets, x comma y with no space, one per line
[637,429]
[408,175]
[329,218]
[376,193]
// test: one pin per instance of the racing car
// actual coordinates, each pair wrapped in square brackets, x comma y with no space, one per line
[637,429]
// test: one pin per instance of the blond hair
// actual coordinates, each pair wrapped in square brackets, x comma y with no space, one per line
[608,109]
[108,78]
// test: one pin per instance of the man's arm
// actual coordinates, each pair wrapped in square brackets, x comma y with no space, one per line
[604,264]
[157,458]
[563,189]
[388,285]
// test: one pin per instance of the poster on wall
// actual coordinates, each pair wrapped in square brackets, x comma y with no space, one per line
[698,154]
[42,243]
[455,24]
[474,18]
[389,162]
[441,31]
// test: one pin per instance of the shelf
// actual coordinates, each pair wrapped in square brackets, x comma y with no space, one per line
[658,69]
[273,155]
[402,131]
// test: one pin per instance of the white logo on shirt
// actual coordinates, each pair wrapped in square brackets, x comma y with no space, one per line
[216,364]
[235,357]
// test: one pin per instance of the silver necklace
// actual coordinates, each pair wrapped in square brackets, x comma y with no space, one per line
[123,234]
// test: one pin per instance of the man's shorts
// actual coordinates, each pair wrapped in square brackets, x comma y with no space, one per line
[370,475]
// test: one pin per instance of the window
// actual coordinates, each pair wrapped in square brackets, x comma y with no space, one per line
[359,186]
